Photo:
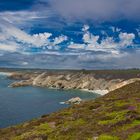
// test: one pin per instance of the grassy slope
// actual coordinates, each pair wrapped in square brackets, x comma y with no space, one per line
[115,116]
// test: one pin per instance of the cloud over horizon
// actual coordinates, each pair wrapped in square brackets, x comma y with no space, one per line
[93,48]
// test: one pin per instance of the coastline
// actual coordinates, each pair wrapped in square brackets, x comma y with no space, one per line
[100,92]
[93,82]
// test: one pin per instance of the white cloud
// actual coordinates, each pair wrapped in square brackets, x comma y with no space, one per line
[60,39]
[11,47]
[15,39]
[20,37]
[114,29]
[42,36]
[85,28]
[90,38]
[107,45]
[40,39]
[76,46]
[25,17]
[24,63]
[18,16]
[10,31]
[126,39]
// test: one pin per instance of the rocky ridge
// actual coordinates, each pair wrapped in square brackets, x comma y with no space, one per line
[89,81]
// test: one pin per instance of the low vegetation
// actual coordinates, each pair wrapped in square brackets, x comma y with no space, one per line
[115,116]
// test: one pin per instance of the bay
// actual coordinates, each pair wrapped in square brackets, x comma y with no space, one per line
[21,104]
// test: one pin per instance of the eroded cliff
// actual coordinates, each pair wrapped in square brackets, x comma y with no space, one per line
[90,80]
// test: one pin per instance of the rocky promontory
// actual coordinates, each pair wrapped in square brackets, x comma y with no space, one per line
[83,80]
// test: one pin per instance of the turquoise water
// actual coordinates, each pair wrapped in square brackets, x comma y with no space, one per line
[25,103]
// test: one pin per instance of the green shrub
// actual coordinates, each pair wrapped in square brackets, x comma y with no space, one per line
[43,128]
[131,125]
[77,122]
[107,137]
[135,136]
[120,103]
[114,118]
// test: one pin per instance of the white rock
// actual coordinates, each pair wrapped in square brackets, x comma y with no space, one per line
[75,100]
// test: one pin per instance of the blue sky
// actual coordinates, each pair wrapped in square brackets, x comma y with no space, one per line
[70,34]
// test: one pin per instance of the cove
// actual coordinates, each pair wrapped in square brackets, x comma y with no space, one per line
[22,104]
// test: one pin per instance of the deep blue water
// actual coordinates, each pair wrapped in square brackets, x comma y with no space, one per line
[25,103]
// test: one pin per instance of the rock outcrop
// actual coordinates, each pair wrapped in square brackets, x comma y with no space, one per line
[76,100]
[73,80]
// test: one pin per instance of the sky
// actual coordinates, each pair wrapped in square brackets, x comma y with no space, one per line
[70,34]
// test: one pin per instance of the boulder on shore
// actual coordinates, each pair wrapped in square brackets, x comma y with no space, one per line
[75,100]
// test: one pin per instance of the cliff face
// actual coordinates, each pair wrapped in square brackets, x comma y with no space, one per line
[74,80]
[115,116]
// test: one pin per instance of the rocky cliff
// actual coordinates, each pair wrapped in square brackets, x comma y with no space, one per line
[90,80]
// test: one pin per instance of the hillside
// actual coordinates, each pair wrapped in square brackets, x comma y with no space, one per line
[115,116]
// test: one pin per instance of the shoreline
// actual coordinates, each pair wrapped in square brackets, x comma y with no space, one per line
[100,92]
[89,82]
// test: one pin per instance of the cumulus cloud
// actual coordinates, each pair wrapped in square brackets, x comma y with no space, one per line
[109,45]
[40,39]
[60,39]
[94,48]
[90,38]
[13,38]
[11,47]
[10,33]
[105,10]
[85,28]
[76,46]
[126,39]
